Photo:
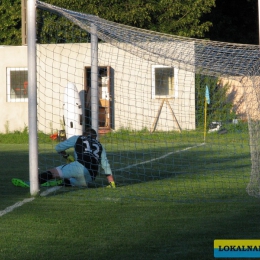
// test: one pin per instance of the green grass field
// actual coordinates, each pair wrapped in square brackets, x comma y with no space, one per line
[161,209]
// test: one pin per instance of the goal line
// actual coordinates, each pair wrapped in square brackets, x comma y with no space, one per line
[159,158]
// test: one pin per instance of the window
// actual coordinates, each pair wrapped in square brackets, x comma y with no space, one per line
[164,82]
[17,84]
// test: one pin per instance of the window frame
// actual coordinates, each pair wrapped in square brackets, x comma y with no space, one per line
[176,83]
[8,84]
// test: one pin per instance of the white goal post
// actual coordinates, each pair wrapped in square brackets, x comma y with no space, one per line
[32,97]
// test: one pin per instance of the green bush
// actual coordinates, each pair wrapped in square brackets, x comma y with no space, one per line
[219,109]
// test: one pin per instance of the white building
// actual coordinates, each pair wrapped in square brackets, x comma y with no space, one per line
[134,92]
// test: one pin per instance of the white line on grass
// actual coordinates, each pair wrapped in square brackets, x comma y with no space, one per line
[161,157]
[48,191]
[20,203]
[16,205]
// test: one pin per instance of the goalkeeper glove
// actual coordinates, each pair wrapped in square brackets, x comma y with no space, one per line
[69,158]
[111,184]
[66,156]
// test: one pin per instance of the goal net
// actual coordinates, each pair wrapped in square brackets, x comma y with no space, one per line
[178,117]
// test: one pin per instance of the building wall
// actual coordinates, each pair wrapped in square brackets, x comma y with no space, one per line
[244,93]
[131,100]
[14,115]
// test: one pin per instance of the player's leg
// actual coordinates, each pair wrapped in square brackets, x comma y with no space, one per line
[46,176]
[50,178]
[74,173]
[46,179]
[79,182]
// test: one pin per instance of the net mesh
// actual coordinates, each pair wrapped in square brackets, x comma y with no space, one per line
[163,140]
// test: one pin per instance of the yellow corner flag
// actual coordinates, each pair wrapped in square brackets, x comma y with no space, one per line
[207,101]
[207,95]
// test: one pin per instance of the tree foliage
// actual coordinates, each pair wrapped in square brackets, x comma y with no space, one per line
[219,20]
[10,22]
[219,109]
[182,17]
[179,17]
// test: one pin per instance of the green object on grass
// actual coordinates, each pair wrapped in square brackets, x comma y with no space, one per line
[20,183]
[26,184]
[52,183]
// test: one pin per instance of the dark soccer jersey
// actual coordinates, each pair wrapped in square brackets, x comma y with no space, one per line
[89,153]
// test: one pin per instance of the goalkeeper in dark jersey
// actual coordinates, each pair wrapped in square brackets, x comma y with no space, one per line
[88,154]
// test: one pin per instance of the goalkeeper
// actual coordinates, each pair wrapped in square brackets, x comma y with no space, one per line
[88,154]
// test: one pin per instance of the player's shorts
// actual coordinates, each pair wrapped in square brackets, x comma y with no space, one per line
[76,172]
